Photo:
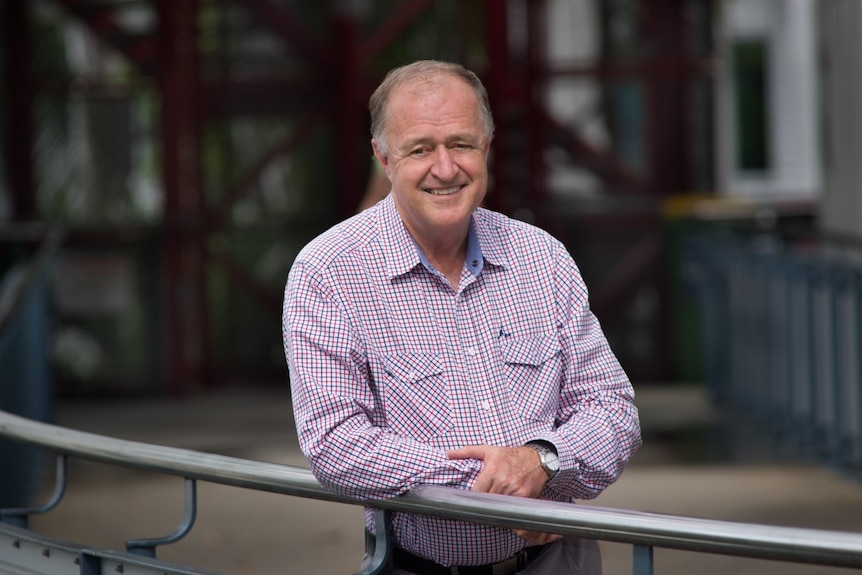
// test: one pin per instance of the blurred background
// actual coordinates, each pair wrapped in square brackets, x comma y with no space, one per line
[164,160]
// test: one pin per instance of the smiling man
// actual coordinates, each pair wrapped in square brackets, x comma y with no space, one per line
[432,341]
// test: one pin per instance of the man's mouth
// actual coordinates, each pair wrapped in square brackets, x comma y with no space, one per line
[443,191]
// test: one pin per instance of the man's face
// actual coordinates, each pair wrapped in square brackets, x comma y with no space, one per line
[437,157]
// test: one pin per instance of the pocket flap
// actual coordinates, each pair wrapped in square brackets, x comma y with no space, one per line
[413,367]
[529,350]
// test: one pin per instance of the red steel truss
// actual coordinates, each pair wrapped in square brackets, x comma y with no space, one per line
[334,91]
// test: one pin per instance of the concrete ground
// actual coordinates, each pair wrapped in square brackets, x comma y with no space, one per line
[245,532]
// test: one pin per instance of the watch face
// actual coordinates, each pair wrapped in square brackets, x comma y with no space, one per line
[552,462]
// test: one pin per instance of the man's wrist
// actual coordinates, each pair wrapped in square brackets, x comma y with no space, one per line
[548,457]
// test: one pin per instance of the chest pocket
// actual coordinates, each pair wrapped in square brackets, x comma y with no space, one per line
[533,368]
[415,397]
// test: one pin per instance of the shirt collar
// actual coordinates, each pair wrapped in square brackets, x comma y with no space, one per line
[399,250]
[474,258]
[405,253]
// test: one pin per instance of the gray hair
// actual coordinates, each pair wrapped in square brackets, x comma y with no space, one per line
[423,69]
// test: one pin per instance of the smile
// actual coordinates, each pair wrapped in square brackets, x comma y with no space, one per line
[443,191]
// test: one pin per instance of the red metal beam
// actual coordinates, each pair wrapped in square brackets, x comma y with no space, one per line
[352,152]
[603,163]
[535,81]
[280,20]
[19,126]
[308,123]
[397,22]
[226,97]
[641,258]
[674,65]
[142,50]
[667,100]
[496,81]
[271,299]
[184,313]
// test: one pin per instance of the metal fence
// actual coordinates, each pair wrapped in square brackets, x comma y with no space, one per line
[23,551]
[25,378]
[782,341]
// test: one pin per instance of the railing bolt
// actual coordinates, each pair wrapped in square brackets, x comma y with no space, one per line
[16,544]
[46,552]
[77,561]
[119,568]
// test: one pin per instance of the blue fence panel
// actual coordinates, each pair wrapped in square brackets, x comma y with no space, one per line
[782,343]
[25,375]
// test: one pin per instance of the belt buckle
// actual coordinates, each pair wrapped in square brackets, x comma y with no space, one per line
[510,566]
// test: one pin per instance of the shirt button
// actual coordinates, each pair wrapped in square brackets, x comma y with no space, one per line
[486,405]
[471,351]
[412,375]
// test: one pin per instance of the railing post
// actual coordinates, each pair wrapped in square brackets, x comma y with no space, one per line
[20,517]
[642,563]
[90,564]
[380,560]
[856,382]
[147,547]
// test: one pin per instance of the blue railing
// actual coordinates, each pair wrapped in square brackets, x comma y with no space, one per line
[25,378]
[25,551]
[782,341]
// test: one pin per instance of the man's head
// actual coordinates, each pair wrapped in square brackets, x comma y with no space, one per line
[416,72]
[432,131]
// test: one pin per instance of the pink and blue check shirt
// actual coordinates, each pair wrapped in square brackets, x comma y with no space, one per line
[390,367]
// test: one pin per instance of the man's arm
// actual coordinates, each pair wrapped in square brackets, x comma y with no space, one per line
[598,428]
[340,422]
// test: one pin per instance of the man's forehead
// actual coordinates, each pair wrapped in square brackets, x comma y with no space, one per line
[425,84]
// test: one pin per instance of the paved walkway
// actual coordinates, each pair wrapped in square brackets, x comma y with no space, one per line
[245,532]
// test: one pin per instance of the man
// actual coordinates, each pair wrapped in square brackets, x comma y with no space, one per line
[432,341]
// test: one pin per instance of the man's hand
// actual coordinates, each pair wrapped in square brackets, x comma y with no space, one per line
[506,470]
[509,471]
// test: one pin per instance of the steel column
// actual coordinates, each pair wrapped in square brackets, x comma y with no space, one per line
[499,66]
[667,99]
[347,100]
[535,80]
[184,312]
[19,96]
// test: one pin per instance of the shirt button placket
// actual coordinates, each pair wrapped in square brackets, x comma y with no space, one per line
[484,404]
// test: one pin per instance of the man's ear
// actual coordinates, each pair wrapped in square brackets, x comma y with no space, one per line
[488,145]
[384,160]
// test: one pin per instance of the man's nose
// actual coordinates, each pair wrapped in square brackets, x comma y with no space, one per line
[444,166]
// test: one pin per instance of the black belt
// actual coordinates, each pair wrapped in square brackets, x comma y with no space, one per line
[407,561]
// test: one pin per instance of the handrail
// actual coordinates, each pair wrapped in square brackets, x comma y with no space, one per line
[801,545]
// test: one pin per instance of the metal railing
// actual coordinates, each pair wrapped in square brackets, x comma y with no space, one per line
[782,333]
[644,531]
[26,254]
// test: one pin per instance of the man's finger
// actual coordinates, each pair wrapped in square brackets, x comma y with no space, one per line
[467,452]
[537,537]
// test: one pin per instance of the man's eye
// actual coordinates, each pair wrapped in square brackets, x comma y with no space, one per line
[419,152]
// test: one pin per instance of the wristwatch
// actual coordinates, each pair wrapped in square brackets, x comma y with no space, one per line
[548,456]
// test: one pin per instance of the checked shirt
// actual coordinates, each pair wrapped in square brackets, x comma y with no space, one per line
[390,367]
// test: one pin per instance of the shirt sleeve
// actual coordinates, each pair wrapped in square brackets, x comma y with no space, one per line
[598,429]
[339,419]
